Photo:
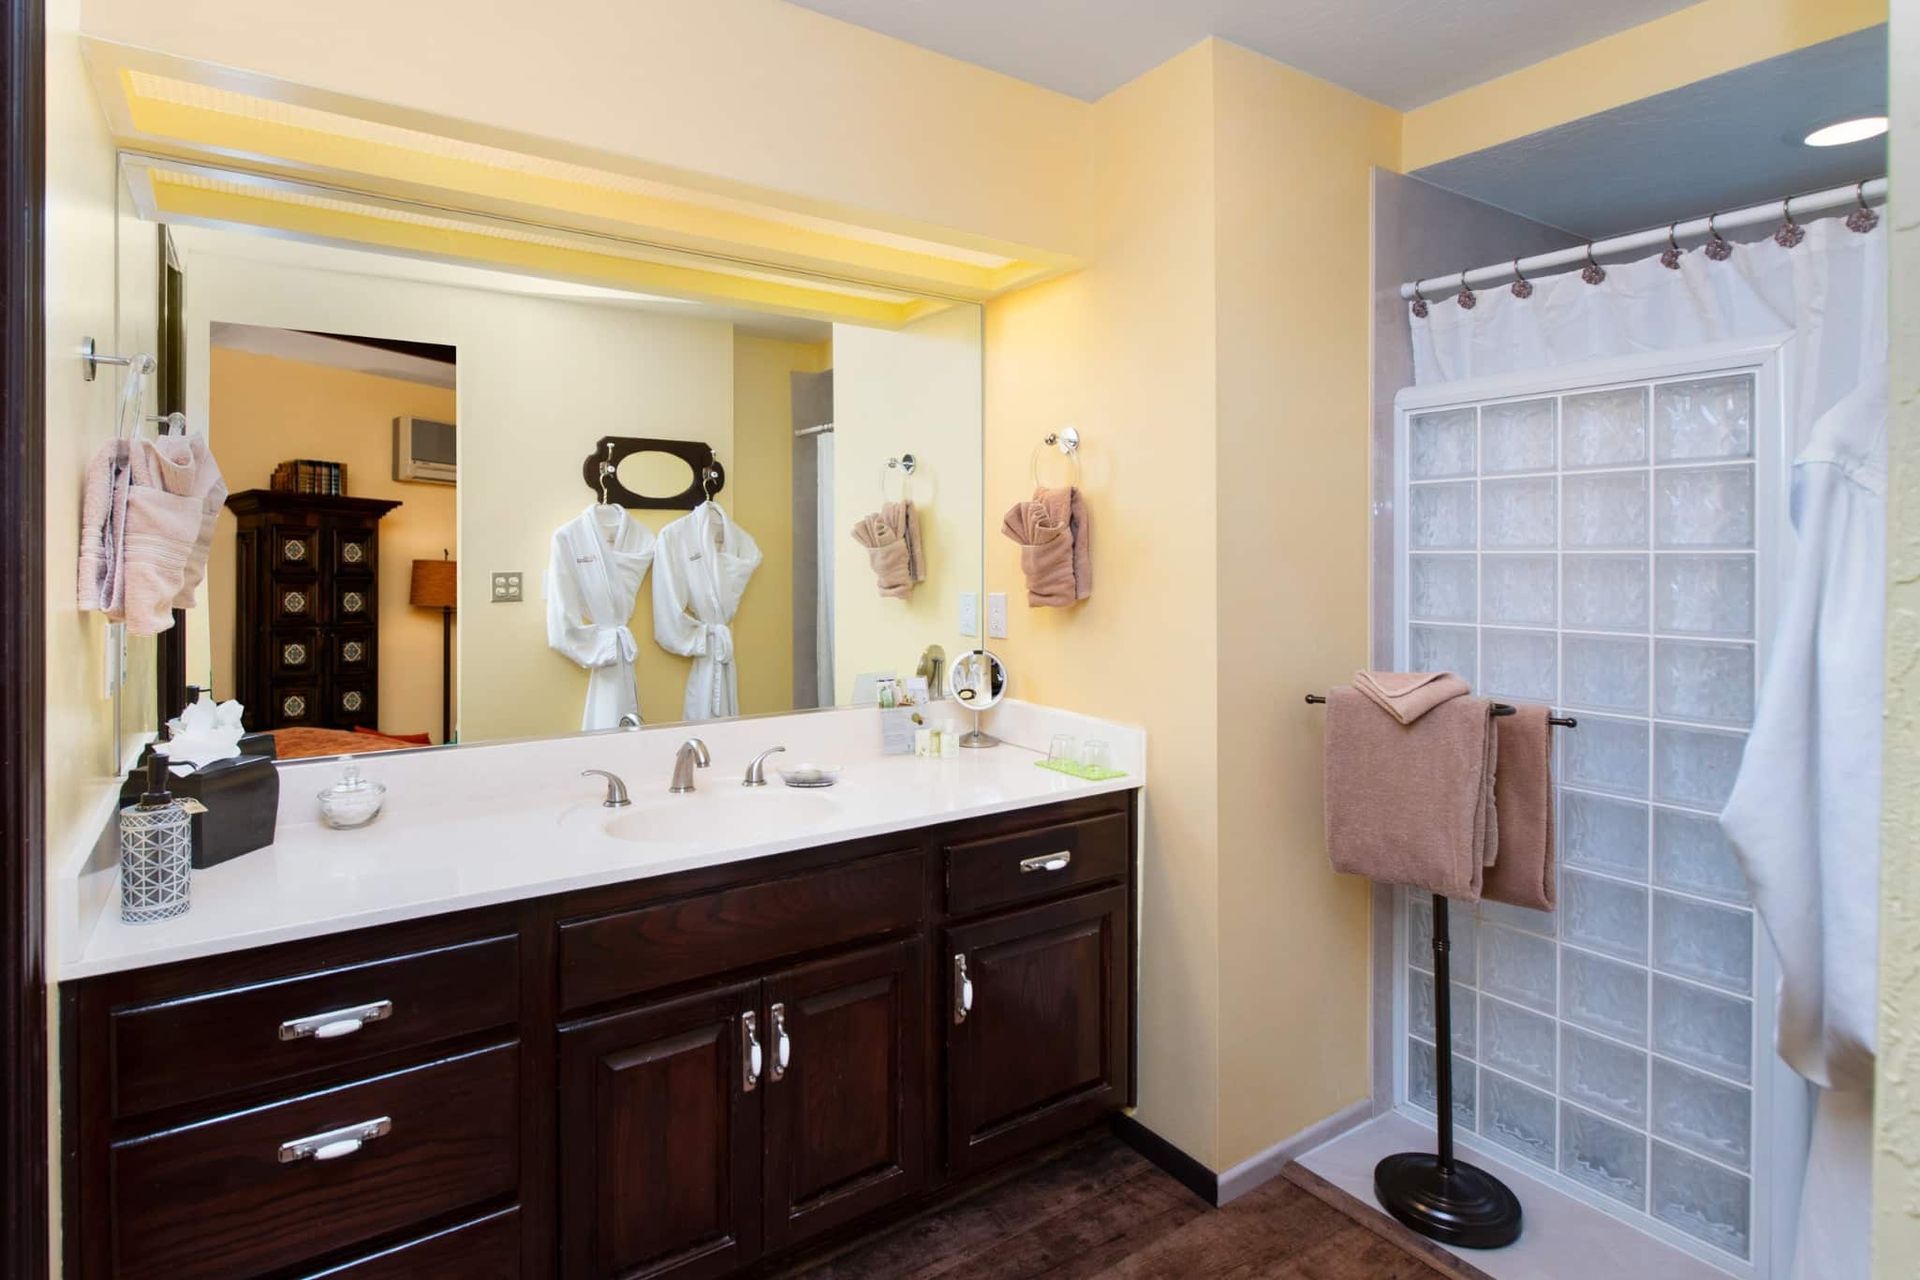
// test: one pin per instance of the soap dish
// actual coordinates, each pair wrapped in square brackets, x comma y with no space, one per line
[809,775]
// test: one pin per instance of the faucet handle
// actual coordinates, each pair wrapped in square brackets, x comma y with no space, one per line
[757,770]
[616,789]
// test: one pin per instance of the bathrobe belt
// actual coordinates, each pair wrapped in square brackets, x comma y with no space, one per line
[614,645]
[716,642]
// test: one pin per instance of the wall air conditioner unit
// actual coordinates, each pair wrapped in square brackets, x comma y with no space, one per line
[423,451]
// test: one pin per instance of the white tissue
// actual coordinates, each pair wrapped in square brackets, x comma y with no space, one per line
[205,732]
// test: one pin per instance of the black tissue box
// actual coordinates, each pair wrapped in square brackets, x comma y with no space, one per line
[242,796]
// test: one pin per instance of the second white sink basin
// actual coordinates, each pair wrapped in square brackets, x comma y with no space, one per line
[710,815]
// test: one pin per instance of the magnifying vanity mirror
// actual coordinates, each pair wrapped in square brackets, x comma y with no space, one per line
[977,681]
[410,555]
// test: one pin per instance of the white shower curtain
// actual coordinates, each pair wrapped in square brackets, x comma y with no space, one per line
[825,548]
[1816,731]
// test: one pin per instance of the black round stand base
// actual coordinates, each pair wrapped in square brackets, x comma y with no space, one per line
[1468,1207]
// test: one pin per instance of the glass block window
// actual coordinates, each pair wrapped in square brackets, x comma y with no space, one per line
[1596,550]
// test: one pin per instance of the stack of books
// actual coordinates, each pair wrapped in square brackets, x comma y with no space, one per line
[310,475]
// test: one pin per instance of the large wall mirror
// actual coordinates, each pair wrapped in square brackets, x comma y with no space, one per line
[419,547]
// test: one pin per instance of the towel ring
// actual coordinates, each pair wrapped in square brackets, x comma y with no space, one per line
[906,464]
[1067,441]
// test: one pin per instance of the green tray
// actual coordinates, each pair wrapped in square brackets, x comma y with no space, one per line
[1085,772]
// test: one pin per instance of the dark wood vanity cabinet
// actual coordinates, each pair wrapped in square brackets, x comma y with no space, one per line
[685,1077]
[307,609]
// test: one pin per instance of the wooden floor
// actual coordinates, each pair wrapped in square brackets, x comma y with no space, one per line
[1100,1209]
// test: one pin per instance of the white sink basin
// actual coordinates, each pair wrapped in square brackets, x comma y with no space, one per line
[711,814]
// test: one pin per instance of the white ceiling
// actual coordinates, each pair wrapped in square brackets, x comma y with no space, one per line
[1401,52]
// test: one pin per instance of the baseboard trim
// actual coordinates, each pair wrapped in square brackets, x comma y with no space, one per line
[1258,1170]
[1219,1189]
[1174,1162]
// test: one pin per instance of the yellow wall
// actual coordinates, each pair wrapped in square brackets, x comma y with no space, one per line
[913,390]
[1126,351]
[1896,1166]
[265,410]
[1291,513]
[1692,44]
[763,485]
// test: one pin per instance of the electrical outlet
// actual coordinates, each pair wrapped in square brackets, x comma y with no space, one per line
[506,588]
[996,615]
[969,614]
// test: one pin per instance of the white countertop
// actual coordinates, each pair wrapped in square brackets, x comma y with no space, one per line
[483,825]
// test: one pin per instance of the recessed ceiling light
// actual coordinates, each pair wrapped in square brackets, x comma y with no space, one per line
[1841,132]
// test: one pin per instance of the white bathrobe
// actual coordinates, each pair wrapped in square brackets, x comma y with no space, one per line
[599,561]
[1804,814]
[701,566]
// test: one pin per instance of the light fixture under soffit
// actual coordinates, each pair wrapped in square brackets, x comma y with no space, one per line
[1841,132]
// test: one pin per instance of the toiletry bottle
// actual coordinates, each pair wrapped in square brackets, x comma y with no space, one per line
[156,851]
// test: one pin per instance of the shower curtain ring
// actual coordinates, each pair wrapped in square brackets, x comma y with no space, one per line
[1717,247]
[1465,298]
[1593,272]
[1522,287]
[1670,256]
[1419,302]
[1863,219]
[1791,233]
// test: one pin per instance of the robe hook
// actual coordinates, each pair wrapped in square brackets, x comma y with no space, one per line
[1465,298]
[1670,256]
[1593,272]
[606,472]
[1863,219]
[1521,287]
[1717,247]
[1790,233]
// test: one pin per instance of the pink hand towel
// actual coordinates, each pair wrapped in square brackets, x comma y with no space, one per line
[1523,795]
[1412,804]
[888,555]
[173,498]
[1408,695]
[103,511]
[1055,533]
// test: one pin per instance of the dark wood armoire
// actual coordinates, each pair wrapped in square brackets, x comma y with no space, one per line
[307,609]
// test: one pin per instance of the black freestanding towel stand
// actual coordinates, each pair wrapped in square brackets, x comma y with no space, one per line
[1446,1199]
[1443,1198]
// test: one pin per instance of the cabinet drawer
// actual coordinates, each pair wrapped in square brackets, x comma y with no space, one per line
[233,1196]
[200,1046]
[1028,865]
[485,1249]
[629,952]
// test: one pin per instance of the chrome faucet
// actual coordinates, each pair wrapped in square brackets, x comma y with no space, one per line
[692,752]
[616,789]
[757,770]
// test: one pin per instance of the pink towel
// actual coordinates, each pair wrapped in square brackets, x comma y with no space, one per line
[1055,532]
[147,519]
[1408,695]
[892,539]
[1523,795]
[1412,803]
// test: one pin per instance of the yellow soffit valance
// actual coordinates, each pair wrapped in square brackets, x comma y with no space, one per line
[170,109]
[199,195]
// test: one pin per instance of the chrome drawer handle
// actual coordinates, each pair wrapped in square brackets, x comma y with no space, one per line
[1047,861]
[782,1043]
[962,990]
[335,1143]
[751,1057]
[336,1023]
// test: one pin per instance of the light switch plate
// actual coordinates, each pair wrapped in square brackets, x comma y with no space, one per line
[996,615]
[506,588]
[969,613]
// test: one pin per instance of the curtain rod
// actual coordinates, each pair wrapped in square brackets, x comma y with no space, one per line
[1801,206]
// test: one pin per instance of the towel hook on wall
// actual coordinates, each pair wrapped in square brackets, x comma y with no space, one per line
[92,359]
[1067,441]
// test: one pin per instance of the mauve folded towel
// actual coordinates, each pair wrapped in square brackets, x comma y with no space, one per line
[1408,695]
[1055,533]
[1412,803]
[888,554]
[1523,795]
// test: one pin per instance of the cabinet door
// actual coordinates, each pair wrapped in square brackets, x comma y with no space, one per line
[846,1089]
[659,1141]
[1036,1011]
